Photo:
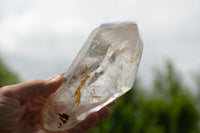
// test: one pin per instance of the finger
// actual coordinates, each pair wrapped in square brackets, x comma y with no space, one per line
[91,121]
[104,113]
[54,76]
[111,103]
[29,90]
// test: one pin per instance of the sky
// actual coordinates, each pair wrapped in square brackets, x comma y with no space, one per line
[42,37]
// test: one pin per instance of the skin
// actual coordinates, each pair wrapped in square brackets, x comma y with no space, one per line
[21,107]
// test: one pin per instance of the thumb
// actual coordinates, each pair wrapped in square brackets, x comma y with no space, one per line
[28,91]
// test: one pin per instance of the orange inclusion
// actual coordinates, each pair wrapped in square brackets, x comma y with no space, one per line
[78,90]
[131,60]
[96,96]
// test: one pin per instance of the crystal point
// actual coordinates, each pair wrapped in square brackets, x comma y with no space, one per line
[104,69]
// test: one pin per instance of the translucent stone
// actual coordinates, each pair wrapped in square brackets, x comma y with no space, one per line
[104,69]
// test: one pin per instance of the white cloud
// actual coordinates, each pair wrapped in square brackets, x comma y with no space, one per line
[53,31]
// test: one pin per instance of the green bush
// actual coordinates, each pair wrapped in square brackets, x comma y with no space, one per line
[168,108]
[6,76]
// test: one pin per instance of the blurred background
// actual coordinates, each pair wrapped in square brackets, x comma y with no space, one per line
[41,38]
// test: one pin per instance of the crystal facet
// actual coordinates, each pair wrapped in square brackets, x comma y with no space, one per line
[104,69]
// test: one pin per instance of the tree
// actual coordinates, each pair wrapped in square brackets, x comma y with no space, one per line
[167,108]
[7,77]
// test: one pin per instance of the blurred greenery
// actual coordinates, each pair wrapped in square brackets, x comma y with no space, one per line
[7,77]
[166,107]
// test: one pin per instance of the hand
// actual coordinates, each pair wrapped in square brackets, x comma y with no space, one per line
[21,107]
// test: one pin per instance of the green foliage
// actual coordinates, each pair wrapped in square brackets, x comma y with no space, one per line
[6,76]
[167,108]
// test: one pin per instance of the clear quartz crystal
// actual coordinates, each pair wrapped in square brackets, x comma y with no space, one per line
[104,69]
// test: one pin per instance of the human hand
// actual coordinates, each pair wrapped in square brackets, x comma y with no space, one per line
[21,107]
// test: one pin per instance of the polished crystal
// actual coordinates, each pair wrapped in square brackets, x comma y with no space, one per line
[104,69]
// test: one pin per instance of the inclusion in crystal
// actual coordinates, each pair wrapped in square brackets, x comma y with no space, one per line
[104,69]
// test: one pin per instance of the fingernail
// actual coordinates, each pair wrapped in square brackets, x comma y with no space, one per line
[54,82]
[57,78]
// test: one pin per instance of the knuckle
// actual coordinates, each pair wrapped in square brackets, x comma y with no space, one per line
[39,82]
[4,89]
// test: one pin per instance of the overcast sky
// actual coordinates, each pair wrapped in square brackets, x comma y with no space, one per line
[40,38]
